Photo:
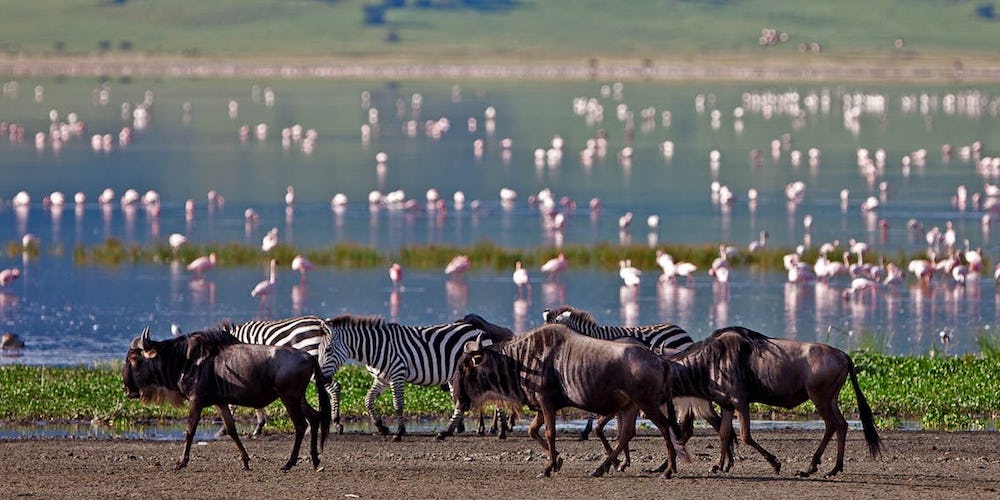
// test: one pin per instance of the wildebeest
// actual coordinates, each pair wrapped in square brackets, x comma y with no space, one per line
[214,368]
[553,367]
[501,424]
[736,366]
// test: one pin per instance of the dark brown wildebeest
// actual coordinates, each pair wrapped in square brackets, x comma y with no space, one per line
[501,424]
[737,366]
[553,367]
[214,368]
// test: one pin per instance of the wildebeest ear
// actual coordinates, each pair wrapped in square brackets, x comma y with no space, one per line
[470,347]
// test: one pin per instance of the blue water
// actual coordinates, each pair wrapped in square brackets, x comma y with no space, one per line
[81,314]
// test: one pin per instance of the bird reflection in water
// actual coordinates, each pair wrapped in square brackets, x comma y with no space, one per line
[553,294]
[520,312]
[299,296]
[457,295]
[629,298]
[202,292]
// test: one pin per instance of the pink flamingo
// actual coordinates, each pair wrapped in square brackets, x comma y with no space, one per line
[520,278]
[555,266]
[202,264]
[396,275]
[264,288]
[629,274]
[458,265]
[9,275]
[302,265]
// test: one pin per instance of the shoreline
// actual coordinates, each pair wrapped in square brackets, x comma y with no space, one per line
[874,69]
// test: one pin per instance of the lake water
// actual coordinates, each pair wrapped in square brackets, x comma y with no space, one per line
[187,141]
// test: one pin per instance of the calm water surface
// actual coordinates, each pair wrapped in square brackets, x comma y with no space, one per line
[190,143]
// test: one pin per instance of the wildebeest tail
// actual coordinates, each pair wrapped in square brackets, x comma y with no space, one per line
[324,402]
[667,399]
[867,420]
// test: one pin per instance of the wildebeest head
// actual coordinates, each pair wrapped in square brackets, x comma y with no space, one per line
[144,369]
[473,367]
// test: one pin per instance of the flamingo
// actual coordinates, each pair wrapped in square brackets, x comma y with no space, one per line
[458,265]
[270,240]
[666,262]
[202,264]
[176,240]
[520,278]
[264,288]
[758,243]
[290,196]
[624,221]
[859,285]
[974,258]
[302,265]
[629,274]
[7,276]
[893,275]
[555,266]
[922,269]
[396,275]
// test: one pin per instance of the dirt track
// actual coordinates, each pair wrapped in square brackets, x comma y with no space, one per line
[915,465]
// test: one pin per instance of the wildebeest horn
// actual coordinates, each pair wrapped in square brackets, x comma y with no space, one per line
[145,338]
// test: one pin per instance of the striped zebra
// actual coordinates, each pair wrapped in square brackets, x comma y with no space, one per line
[306,333]
[396,354]
[664,338]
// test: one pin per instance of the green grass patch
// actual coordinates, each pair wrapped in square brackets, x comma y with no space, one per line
[939,392]
[484,255]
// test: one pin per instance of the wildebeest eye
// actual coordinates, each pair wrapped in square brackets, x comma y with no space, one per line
[477,359]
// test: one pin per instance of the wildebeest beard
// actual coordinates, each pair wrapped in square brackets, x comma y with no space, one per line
[156,394]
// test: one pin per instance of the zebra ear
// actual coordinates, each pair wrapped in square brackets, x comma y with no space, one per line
[547,316]
[565,315]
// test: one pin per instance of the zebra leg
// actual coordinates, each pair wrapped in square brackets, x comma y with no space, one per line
[333,388]
[261,420]
[500,415]
[377,388]
[397,402]
[587,429]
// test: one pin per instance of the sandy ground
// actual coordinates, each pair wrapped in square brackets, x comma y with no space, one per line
[915,465]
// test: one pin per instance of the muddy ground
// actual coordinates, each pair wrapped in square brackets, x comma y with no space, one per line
[915,465]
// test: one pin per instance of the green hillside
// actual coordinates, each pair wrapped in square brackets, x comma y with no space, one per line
[466,31]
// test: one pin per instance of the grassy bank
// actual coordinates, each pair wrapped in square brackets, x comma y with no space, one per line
[484,255]
[939,392]
[595,35]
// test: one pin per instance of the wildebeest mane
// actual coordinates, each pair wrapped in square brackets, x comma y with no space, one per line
[205,343]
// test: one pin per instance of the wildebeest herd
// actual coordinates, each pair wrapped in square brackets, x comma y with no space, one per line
[570,361]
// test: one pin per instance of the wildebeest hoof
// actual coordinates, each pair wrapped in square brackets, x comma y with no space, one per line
[441,435]
[559,463]
[598,472]
[545,473]
[397,438]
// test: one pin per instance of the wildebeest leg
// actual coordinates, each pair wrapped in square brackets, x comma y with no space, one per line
[397,402]
[626,431]
[725,436]
[227,420]
[743,410]
[192,425]
[295,407]
[829,410]
[662,422]
[500,421]
[599,430]
[555,461]
[587,428]
[261,420]
[536,423]
[377,388]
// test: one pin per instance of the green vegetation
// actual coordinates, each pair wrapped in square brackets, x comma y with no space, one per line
[485,255]
[474,31]
[939,392]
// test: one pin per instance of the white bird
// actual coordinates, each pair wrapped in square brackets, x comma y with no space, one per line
[202,264]
[625,220]
[21,199]
[653,221]
[666,263]
[686,270]
[555,266]
[106,196]
[176,240]
[270,240]
[266,287]
[289,196]
[758,243]
[858,285]
[29,240]
[302,265]
[520,278]
[458,265]
[7,276]
[629,274]
[396,275]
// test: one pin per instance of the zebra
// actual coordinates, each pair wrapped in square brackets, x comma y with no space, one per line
[396,354]
[306,333]
[664,338]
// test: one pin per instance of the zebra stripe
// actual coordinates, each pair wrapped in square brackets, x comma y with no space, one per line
[657,336]
[305,333]
[396,354]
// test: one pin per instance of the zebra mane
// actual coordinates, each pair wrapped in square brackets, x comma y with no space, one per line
[577,315]
[346,320]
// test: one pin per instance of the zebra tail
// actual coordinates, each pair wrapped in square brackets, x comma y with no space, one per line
[324,403]
[867,420]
